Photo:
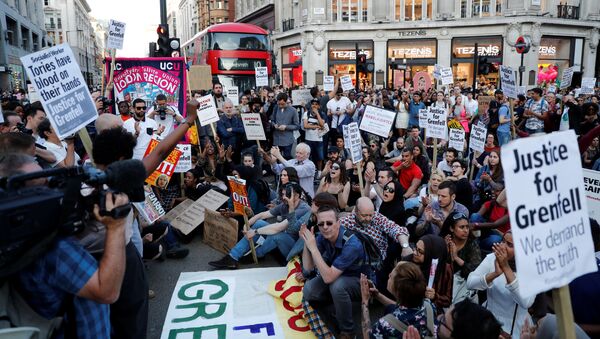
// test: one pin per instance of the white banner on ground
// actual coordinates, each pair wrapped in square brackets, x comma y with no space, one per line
[233,94]
[354,142]
[301,97]
[446,75]
[207,110]
[262,76]
[253,126]
[378,121]
[423,118]
[587,85]
[549,218]
[567,77]
[116,34]
[57,78]
[509,81]
[185,160]
[477,138]
[346,82]
[437,123]
[328,82]
[591,181]
[457,139]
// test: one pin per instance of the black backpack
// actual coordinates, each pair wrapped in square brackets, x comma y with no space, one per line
[263,191]
[372,253]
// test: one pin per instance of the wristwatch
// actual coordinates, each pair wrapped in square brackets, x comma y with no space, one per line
[405,245]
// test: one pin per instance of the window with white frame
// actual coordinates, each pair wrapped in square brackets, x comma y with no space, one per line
[410,10]
[349,10]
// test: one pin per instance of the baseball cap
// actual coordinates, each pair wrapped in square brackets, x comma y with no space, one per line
[333,149]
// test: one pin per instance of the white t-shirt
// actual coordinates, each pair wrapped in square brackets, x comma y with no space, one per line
[147,129]
[311,134]
[60,152]
[471,106]
[338,107]
[168,122]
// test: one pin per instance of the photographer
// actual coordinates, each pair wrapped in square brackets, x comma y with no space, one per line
[143,129]
[164,114]
[68,272]
[64,151]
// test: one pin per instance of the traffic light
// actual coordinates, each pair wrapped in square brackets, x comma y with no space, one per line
[484,66]
[361,61]
[163,41]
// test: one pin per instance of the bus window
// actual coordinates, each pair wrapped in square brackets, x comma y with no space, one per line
[239,41]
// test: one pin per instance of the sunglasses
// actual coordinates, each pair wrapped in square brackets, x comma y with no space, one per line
[271,97]
[459,216]
[335,167]
[323,223]
[389,189]
[142,107]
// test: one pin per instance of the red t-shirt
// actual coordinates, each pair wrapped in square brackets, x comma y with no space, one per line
[408,174]
[496,213]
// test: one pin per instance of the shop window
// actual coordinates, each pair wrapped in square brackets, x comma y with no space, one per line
[412,9]
[481,8]
[349,10]
[463,8]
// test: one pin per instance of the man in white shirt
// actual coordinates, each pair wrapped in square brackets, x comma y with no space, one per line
[141,128]
[337,110]
[471,105]
[164,114]
[455,94]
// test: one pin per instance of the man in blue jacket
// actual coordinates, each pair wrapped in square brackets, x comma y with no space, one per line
[230,128]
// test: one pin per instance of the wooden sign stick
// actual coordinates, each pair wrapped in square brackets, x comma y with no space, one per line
[251,241]
[360,179]
[435,152]
[564,312]
[512,116]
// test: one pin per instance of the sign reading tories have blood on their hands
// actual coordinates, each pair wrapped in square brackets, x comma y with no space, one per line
[57,78]
[239,194]
[163,173]
[548,212]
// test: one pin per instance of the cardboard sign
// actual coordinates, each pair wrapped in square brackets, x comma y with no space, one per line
[483,102]
[423,118]
[346,135]
[457,139]
[378,121]
[436,123]
[346,82]
[163,173]
[116,34]
[253,126]
[301,97]
[32,94]
[200,77]
[548,213]
[567,77]
[328,82]
[446,76]
[354,142]
[57,78]
[220,232]
[189,214]
[587,85]
[508,81]
[591,182]
[185,160]
[232,93]
[477,139]
[207,111]
[151,209]
[262,76]
[239,194]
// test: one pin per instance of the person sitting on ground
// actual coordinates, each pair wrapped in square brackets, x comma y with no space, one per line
[490,176]
[392,205]
[446,164]
[428,193]
[410,176]
[302,164]
[375,191]
[336,183]
[492,219]
[286,176]
[436,212]
[464,192]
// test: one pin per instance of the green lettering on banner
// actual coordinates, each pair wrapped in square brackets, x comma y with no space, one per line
[197,331]
[201,311]
[215,282]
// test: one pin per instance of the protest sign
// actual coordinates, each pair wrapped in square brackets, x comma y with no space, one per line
[189,214]
[253,126]
[239,194]
[346,137]
[437,71]
[436,123]
[354,142]
[32,94]
[457,139]
[483,102]
[220,232]
[151,209]
[567,77]
[64,94]
[163,173]
[378,121]
[207,110]
[522,90]
[200,77]
[116,34]
[549,218]
[446,75]
[145,78]
[591,182]
[587,85]
[477,139]
[185,160]
[346,82]
[262,76]
[552,89]
[423,118]
[234,304]
[509,81]
[301,97]
[232,93]
[328,82]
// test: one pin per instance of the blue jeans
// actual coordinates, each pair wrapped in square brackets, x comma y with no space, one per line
[282,240]
[296,249]
[491,238]
[412,203]
[503,137]
[286,151]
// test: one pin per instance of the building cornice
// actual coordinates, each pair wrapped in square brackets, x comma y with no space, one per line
[258,12]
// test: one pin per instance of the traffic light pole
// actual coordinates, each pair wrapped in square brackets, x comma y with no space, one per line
[521,70]
[357,87]
[163,12]
[475,66]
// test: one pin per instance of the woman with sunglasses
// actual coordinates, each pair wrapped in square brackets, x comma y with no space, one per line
[463,251]
[336,183]
[497,275]
[392,206]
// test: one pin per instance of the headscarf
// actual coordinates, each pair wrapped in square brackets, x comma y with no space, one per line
[394,209]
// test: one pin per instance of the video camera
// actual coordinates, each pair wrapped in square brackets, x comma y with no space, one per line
[106,102]
[31,217]
[161,110]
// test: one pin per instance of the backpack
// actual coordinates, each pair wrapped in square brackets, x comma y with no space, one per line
[372,254]
[264,191]
[402,327]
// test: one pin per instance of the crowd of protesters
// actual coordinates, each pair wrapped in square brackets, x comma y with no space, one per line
[309,200]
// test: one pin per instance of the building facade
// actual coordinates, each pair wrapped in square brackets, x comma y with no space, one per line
[212,12]
[68,21]
[187,20]
[257,12]
[22,32]
[404,39]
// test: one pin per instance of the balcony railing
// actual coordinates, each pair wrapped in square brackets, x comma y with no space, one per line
[50,26]
[568,12]
[287,25]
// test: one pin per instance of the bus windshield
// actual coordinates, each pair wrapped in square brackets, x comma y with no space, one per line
[238,42]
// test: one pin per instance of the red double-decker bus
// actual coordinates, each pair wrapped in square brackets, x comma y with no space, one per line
[233,50]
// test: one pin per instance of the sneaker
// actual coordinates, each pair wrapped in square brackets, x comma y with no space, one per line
[227,262]
[177,252]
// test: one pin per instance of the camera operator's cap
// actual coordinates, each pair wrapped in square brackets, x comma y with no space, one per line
[498,91]
[333,149]
[315,100]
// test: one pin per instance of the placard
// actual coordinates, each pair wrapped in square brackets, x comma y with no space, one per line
[551,89]
[346,135]
[446,76]
[477,138]
[163,173]
[328,82]
[232,93]
[483,102]
[567,77]
[548,214]
[587,85]
[423,118]
[522,90]
[151,209]
[301,97]
[508,81]
[262,76]
[57,78]
[354,142]
[116,34]
[200,77]
[220,232]
[591,182]
[189,214]
[457,139]
[346,82]
[239,194]
[185,160]
[436,123]
[253,126]
[207,110]
[437,71]
[32,94]
[378,121]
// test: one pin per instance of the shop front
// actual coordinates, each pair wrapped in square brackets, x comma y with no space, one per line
[410,59]
[291,66]
[342,60]
[556,54]
[489,50]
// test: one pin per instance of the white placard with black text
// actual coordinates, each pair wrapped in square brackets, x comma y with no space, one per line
[116,34]
[301,97]
[262,76]
[233,94]
[346,82]
[446,76]
[477,138]
[353,137]
[253,126]
[377,120]
[508,81]
[567,77]
[587,85]
[437,123]
[185,160]
[207,110]
[328,82]
[456,139]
